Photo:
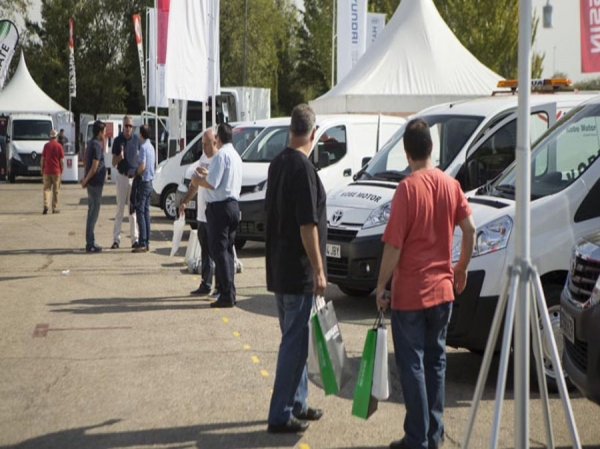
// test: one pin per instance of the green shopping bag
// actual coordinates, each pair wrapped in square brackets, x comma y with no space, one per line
[364,404]
[328,377]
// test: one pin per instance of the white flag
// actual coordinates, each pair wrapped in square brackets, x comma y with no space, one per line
[351,34]
[9,38]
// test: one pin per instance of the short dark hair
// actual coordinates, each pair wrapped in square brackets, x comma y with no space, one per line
[225,133]
[145,131]
[417,140]
[303,120]
[98,127]
[62,130]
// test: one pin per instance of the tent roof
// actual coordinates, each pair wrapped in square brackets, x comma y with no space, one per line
[416,62]
[22,94]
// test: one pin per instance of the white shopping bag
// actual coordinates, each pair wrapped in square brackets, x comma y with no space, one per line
[193,255]
[381,372]
[178,228]
[312,364]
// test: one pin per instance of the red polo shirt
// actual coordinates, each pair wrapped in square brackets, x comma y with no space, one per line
[53,152]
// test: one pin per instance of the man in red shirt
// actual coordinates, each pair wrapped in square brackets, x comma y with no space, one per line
[426,207]
[52,162]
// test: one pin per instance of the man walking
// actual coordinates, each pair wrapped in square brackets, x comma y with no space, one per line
[209,149]
[295,251]
[53,164]
[125,158]
[223,184]
[145,172]
[95,174]
[426,207]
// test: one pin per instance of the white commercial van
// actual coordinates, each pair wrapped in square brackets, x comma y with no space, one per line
[343,144]
[565,207]
[473,141]
[27,134]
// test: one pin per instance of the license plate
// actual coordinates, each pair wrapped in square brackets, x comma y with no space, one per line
[191,205]
[567,325]
[33,168]
[334,251]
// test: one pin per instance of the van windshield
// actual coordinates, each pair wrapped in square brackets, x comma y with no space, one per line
[267,145]
[449,134]
[565,152]
[31,129]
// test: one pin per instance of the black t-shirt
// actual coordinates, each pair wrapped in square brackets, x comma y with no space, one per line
[295,197]
[131,149]
[94,151]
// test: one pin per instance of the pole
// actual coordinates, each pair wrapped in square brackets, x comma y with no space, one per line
[245,44]
[333,14]
[156,81]
[147,60]
[522,231]
[213,30]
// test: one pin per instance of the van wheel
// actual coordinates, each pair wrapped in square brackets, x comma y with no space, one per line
[552,293]
[359,292]
[169,201]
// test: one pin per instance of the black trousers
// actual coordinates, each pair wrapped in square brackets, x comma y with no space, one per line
[223,218]
[207,269]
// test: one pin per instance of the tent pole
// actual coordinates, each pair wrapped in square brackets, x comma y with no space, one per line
[333,11]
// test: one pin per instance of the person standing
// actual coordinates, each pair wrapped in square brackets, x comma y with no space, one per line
[223,184]
[209,149]
[62,139]
[145,172]
[295,251]
[95,174]
[125,152]
[426,207]
[53,164]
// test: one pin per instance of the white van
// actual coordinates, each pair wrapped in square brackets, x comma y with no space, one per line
[473,141]
[565,207]
[343,144]
[27,134]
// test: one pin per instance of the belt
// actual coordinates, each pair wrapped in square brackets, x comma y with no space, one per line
[228,200]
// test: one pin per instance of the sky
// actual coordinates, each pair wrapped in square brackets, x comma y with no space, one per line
[560,44]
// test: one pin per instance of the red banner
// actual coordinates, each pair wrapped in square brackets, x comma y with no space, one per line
[590,35]
[163,28]
[137,27]
[71,33]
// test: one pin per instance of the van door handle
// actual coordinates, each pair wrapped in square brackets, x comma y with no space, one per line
[348,172]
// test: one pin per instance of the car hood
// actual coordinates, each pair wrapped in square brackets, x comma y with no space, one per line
[361,195]
[254,173]
[29,146]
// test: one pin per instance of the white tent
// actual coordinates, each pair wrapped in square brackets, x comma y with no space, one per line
[416,62]
[23,95]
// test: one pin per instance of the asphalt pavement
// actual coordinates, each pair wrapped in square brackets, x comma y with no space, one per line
[109,350]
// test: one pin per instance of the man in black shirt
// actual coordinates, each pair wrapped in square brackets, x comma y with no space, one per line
[295,253]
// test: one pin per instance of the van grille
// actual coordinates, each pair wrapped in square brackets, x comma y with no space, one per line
[583,278]
[577,353]
[337,267]
[341,235]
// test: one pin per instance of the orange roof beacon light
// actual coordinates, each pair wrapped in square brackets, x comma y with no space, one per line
[545,85]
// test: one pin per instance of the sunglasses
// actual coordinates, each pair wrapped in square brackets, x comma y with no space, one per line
[128,126]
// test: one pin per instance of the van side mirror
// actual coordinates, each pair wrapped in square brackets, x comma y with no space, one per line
[365,161]
[324,159]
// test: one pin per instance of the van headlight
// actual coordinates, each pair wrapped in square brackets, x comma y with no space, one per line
[379,216]
[493,236]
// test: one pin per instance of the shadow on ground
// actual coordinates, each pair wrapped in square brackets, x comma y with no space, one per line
[97,306]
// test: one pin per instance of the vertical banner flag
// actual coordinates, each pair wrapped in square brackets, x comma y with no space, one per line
[590,35]
[351,34]
[137,28]
[375,25]
[72,79]
[9,38]
[158,22]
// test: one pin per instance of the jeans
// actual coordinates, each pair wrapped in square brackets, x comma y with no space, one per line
[208,266]
[420,351]
[94,200]
[143,212]
[291,378]
[123,184]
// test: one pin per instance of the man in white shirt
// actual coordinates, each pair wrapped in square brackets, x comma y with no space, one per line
[209,149]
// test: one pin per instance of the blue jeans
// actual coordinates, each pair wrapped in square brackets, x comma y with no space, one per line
[144,189]
[420,351]
[291,379]
[94,200]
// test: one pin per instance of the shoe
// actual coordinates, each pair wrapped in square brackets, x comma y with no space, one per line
[115,245]
[214,295]
[203,290]
[221,304]
[135,245]
[139,249]
[56,211]
[93,249]
[292,426]
[311,414]
[45,211]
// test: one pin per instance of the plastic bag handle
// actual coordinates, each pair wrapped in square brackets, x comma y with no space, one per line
[379,321]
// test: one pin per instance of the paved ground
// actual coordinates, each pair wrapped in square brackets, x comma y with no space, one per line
[109,351]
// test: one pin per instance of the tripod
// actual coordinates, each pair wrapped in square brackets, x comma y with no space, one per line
[522,283]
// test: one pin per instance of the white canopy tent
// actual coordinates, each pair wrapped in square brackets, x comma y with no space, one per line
[416,62]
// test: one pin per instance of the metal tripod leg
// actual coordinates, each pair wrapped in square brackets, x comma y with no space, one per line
[536,344]
[562,386]
[509,289]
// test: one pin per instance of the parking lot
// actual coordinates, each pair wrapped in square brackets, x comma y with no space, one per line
[109,350]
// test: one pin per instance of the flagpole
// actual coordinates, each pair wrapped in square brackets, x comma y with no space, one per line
[156,80]
[214,63]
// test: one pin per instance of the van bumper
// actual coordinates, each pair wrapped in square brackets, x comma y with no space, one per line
[253,222]
[26,167]
[581,358]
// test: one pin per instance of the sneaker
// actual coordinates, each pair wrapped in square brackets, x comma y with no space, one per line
[93,249]
[292,426]
[115,245]
[203,290]
[215,294]
[135,245]
[56,211]
[45,211]
[139,249]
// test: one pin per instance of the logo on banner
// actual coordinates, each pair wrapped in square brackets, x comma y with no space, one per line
[590,35]
[137,28]
[9,38]
[72,78]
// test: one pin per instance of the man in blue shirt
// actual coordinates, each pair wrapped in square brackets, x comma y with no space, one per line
[223,184]
[145,173]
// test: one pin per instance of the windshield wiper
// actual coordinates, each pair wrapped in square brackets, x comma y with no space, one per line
[506,188]
[390,175]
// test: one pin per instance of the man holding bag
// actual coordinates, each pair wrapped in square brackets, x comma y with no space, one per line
[427,205]
[295,251]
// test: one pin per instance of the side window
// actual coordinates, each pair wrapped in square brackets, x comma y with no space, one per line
[332,144]
[193,154]
[590,206]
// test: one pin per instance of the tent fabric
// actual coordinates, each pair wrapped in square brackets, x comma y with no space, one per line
[23,95]
[416,62]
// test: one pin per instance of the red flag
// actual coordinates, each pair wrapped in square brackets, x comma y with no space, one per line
[590,35]
[163,28]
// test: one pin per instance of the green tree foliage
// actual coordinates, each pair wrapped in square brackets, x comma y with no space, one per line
[590,84]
